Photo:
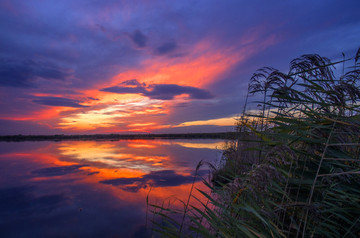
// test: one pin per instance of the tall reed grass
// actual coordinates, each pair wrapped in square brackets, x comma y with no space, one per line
[294,170]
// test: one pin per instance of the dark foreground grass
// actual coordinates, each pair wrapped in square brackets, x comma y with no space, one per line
[294,170]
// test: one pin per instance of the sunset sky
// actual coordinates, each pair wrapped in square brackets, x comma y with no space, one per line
[81,66]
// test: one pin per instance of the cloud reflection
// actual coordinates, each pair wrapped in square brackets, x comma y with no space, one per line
[63,188]
[164,178]
[112,155]
[57,171]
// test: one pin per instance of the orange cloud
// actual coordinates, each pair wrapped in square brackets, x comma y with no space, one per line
[43,114]
[226,121]
[113,114]
[199,67]
[202,66]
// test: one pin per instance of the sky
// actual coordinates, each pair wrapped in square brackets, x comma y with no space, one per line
[143,66]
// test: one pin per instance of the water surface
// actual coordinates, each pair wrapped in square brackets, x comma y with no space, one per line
[93,188]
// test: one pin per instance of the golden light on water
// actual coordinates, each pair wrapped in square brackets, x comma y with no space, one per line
[109,155]
[214,145]
[107,176]
[126,169]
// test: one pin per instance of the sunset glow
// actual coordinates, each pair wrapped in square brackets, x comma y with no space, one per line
[122,118]
[148,67]
[197,70]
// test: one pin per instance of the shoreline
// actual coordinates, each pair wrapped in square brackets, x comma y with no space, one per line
[115,137]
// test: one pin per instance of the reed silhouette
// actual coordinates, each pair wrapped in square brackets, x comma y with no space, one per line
[294,169]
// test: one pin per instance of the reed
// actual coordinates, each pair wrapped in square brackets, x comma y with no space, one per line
[294,170]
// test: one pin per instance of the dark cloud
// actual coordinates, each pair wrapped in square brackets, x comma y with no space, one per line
[139,39]
[123,90]
[92,173]
[167,178]
[58,101]
[57,171]
[133,82]
[102,28]
[158,91]
[166,48]
[168,91]
[164,178]
[22,74]
[92,98]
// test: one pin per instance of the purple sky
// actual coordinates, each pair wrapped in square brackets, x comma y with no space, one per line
[152,66]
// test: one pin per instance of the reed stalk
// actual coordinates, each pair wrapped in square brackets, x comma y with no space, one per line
[294,170]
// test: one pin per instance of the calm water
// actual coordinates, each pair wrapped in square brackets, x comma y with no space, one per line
[93,188]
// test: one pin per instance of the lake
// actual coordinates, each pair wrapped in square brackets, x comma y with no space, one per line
[94,188]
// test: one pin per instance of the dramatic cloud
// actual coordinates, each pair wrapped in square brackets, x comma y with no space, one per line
[22,74]
[166,48]
[139,39]
[158,91]
[163,178]
[124,90]
[168,91]
[54,53]
[133,82]
[58,101]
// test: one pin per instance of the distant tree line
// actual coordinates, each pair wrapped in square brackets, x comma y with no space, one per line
[114,137]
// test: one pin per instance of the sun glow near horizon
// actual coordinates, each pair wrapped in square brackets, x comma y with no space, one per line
[136,112]
[142,98]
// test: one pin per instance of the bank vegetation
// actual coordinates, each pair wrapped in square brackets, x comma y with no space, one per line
[294,169]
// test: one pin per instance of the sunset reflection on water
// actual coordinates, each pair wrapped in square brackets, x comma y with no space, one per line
[85,188]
